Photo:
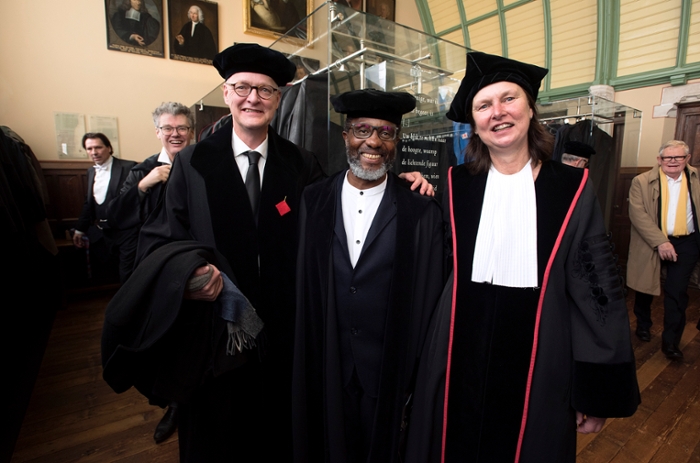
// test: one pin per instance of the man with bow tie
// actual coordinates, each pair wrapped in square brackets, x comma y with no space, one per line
[105,179]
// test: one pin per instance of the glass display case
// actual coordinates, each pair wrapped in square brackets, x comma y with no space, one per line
[611,128]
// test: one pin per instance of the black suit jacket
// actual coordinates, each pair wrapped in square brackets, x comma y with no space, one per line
[120,170]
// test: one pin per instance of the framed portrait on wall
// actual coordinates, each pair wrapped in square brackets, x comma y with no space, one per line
[385,9]
[194,30]
[273,18]
[135,26]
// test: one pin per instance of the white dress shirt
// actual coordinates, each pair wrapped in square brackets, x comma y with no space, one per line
[239,148]
[359,209]
[102,175]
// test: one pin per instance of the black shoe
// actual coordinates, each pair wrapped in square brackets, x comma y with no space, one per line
[167,425]
[672,352]
[643,334]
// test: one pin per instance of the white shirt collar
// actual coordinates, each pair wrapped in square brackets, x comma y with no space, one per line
[239,147]
[375,190]
[163,157]
[107,165]
[674,180]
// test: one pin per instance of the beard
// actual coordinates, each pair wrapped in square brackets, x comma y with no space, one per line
[360,172]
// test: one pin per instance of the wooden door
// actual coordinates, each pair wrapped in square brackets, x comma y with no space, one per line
[688,129]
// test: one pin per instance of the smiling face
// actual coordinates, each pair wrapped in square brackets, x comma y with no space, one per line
[369,158]
[673,168]
[502,116]
[251,114]
[175,142]
[97,151]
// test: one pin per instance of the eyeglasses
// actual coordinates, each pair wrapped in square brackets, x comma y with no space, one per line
[672,158]
[264,91]
[384,132]
[167,130]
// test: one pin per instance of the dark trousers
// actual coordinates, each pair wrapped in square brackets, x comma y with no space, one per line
[675,291]
[358,410]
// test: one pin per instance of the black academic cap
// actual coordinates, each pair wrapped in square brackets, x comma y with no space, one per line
[579,149]
[483,70]
[388,106]
[251,57]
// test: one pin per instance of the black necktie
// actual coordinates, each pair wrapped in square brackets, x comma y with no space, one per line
[252,181]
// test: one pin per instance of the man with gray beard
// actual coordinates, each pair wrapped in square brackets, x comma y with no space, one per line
[369,273]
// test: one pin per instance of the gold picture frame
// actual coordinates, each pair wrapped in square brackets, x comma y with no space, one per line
[274,18]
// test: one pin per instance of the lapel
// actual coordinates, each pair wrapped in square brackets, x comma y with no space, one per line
[90,184]
[231,215]
[655,188]
[466,195]
[114,178]
[339,227]
[555,189]
[278,184]
[385,213]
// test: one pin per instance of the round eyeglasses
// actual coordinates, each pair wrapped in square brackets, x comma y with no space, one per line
[384,132]
[242,89]
[167,130]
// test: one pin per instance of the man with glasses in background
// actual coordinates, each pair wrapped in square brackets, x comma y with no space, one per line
[663,210]
[139,196]
[370,273]
[145,184]
[577,154]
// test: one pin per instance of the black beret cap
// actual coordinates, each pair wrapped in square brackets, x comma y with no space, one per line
[388,106]
[483,70]
[251,57]
[579,149]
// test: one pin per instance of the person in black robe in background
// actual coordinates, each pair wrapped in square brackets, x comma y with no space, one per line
[531,340]
[145,184]
[141,192]
[370,270]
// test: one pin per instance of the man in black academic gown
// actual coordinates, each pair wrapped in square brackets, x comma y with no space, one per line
[370,271]
[139,196]
[104,181]
[245,205]
[145,184]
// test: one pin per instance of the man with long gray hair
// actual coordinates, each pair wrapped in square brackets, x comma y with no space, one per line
[195,39]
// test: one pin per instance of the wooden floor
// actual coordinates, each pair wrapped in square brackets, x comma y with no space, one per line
[75,417]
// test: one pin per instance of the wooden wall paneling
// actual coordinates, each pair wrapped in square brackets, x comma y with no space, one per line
[67,185]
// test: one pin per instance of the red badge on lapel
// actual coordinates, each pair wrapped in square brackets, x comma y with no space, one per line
[283,207]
